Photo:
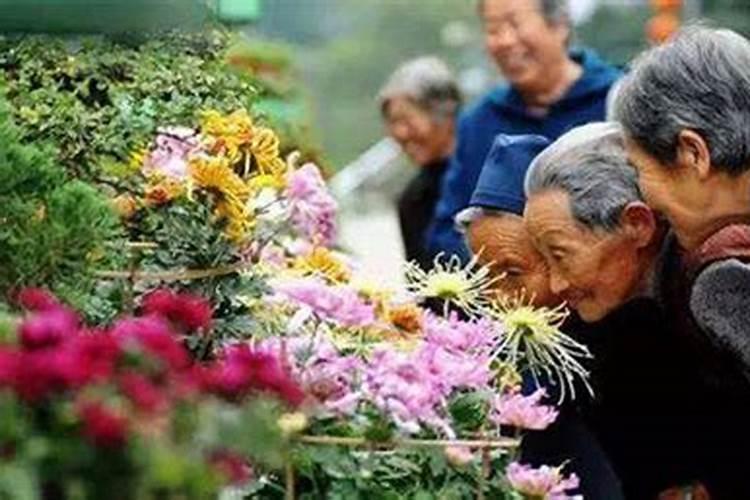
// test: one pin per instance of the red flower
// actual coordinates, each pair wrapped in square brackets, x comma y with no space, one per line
[97,352]
[42,373]
[8,367]
[188,311]
[232,466]
[146,396]
[37,299]
[244,370]
[152,335]
[102,426]
[48,328]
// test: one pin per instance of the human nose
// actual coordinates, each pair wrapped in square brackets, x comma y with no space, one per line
[502,38]
[557,283]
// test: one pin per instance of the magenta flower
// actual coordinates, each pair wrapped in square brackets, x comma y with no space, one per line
[312,209]
[544,483]
[48,329]
[340,304]
[243,370]
[152,335]
[181,309]
[37,300]
[173,147]
[103,426]
[523,412]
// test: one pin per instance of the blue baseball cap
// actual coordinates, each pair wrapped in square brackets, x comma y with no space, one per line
[500,184]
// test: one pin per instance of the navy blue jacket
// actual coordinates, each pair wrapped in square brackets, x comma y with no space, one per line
[503,111]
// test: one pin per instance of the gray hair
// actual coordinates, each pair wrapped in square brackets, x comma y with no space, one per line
[465,217]
[588,164]
[699,81]
[554,11]
[428,82]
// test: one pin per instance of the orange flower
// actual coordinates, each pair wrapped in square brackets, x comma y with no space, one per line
[407,317]
[163,192]
[125,205]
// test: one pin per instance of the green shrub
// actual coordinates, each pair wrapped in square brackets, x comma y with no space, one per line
[53,230]
[99,99]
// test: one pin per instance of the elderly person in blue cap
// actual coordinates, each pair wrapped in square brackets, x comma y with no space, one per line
[494,229]
[493,223]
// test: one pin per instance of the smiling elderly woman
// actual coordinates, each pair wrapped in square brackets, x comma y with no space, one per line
[605,251]
[586,216]
[419,104]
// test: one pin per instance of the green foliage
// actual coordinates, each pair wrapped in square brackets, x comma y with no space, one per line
[189,237]
[53,230]
[100,99]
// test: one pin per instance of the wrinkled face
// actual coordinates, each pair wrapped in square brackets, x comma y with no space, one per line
[668,189]
[593,271]
[522,42]
[502,244]
[424,138]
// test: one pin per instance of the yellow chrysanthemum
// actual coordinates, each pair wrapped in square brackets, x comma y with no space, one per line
[229,134]
[467,287]
[136,159]
[322,262]
[533,341]
[265,149]
[216,176]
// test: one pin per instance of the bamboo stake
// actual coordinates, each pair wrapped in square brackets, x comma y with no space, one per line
[289,480]
[354,442]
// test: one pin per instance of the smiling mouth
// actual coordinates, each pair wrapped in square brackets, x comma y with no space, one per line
[573,299]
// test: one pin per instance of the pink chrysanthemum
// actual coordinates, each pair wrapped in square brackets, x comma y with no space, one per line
[341,304]
[312,208]
[523,412]
[544,483]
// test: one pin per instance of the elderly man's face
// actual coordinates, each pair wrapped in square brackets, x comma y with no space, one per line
[424,138]
[502,244]
[593,271]
[522,42]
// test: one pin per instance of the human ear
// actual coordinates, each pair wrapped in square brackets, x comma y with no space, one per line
[693,153]
[639,223]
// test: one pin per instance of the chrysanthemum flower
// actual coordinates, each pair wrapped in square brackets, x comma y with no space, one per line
[533,341]
[544,483]
[265,149]
[522,412]
[216,176]
[323,263]
[312,209]
[467,287]
[340,304]
[228,134]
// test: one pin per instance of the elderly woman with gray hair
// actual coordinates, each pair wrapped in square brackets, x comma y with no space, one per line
[685,109]
[664,391]
[419,104]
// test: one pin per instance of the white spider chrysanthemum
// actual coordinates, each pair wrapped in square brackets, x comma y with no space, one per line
[467,287]
[533,341]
